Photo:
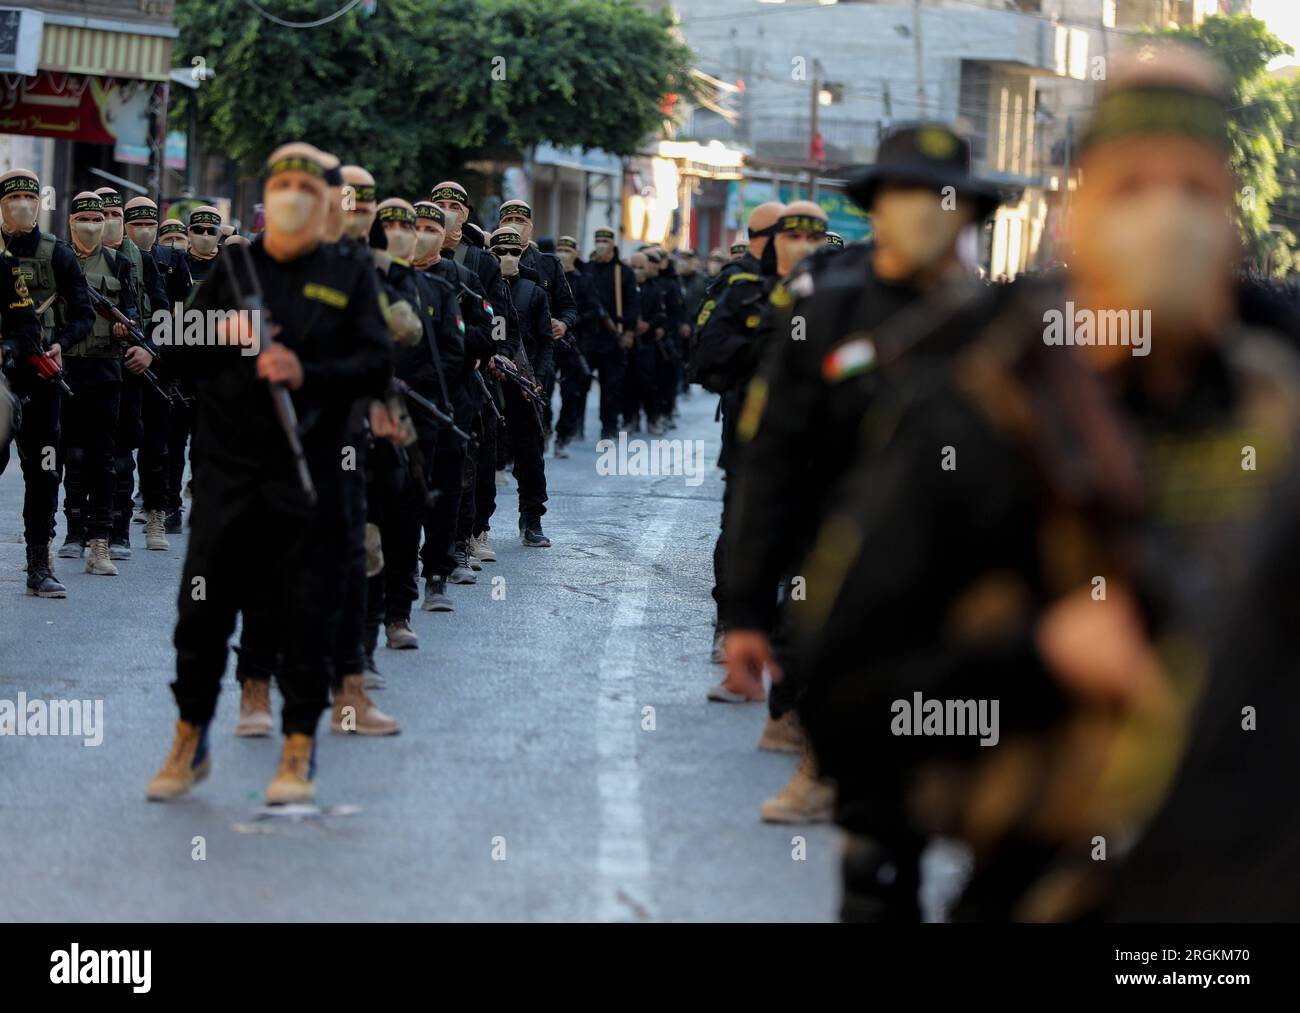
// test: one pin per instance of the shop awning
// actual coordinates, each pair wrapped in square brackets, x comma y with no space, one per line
[103,48]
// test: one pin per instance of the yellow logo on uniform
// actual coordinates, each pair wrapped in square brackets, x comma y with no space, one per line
[322,293]
[936,143]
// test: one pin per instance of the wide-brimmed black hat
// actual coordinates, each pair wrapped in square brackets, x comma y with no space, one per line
[930,154]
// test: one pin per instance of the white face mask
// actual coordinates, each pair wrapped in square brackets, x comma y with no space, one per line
[19,213]
[112,230]
[789,252]
[176,242]
[356,224]
[913,225]
[1162,250]
[509,266]
[89,234]
[523,227]
[289,211]
[144,236]
[567,257]
[400,242]
[203,245]
[427,244]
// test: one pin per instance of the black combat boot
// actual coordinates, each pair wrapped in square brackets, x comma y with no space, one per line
[880,885]
[172,525]
[40,575]
[530,533]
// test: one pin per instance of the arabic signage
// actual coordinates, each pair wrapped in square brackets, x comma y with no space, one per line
[80,107]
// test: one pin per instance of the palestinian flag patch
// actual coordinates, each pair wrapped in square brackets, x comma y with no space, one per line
[848,360]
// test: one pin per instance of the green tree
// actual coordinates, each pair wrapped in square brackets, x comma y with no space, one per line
[1258,116]
[420,87]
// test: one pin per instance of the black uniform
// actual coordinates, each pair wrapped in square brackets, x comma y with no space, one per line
[933,580]
[90,423]
[255,542]
[153,459]
[640,390]
[605,353]
[66,323]
[547,270]
[523,427]
[142,418]
[181,421]
[588,333]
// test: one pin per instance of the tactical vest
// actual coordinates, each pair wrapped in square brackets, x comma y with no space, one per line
[99,276]
[38,270]
[132,253]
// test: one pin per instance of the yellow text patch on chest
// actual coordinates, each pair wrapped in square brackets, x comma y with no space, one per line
[323,293]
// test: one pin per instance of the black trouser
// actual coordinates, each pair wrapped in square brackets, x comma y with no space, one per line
[573,394]
[639,379]
[350,642]
[129,435]
[446,475]
[38,448]
[478,500]
[394,502]
[525,437]
[152,456]
[665,386]
[250,552]
[607,363]
[86,456]
[259,650]
[179,422]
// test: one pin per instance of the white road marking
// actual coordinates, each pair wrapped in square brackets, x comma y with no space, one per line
[623,861]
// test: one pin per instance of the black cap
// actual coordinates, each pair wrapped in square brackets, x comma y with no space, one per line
[929,154]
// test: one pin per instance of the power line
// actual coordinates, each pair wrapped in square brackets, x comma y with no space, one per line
[303,24]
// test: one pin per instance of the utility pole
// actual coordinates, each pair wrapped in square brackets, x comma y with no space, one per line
[920,77]
[1069,146]
[813,146]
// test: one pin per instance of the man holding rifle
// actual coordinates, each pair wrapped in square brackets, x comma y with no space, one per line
[56,286]
[95,374]
[265,532]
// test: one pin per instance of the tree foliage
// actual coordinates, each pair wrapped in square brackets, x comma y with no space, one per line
[420,87]
[1258,119]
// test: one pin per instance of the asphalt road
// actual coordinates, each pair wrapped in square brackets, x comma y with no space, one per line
[525,785]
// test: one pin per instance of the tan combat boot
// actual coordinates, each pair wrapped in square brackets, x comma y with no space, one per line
[187,764]
[297,769]
[782,735]
[97,562]
[356,714]
[155,531]
[255,721]
[805,799]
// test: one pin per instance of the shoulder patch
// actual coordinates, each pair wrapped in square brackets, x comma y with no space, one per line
[706,311]
[802,286]
[742,276]
[323,293]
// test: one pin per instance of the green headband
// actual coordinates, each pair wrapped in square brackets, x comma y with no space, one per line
[204,218]
[80,204]
[507,241]
[111,200]
[170,226]
[604,233]
[1159,110]
[363,192]
[296,163]
[512,209]
[402,216]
